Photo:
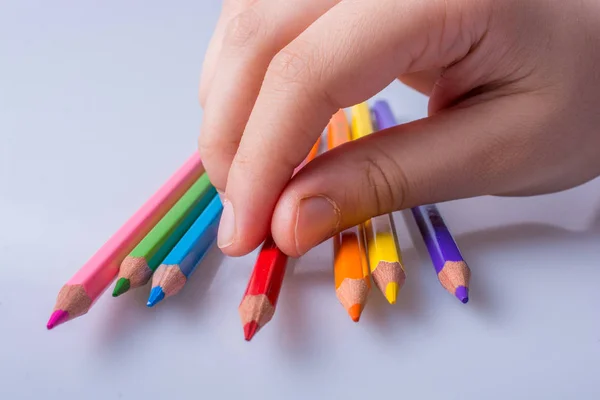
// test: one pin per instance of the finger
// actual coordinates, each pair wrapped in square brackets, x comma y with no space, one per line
[230,9]
[210,59]
[325,69]
[422,81]
[454,154]
[251,40]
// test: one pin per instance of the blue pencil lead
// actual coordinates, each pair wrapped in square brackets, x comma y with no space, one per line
[156,295]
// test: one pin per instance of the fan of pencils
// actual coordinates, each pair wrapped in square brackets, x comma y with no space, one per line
[167,238]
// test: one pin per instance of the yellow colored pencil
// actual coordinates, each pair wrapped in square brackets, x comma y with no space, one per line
[385,256]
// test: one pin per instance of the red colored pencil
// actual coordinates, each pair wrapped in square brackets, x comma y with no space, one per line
[259,302]
[260,299]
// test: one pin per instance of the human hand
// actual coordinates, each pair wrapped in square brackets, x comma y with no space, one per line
[514,89]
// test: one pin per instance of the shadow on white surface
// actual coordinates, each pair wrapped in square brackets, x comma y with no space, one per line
[313,273]
[130,317]
[478,248]
[291,320]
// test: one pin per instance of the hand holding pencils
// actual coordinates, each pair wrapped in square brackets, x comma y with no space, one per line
[170,235]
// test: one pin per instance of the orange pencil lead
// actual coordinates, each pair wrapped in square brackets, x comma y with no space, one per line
[355,312]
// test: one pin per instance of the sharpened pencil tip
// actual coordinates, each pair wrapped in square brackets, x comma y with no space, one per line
[391,292]
[156,295]
[123,285]
[462,293]
[355,312]
[250,330]
[58,317]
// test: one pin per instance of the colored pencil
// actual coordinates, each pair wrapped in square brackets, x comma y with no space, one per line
[260,298]
[351,271]
[314,151]
[452,270]
[137,268]
[385,256]
[350,266]
[78,295]
[338,130]
[182,261]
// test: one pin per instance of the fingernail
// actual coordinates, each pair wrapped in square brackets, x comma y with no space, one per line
[227,225]
[318,218]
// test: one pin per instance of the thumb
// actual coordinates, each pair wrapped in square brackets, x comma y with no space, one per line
[486,148]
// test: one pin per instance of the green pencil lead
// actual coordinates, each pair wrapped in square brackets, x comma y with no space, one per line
[123,285]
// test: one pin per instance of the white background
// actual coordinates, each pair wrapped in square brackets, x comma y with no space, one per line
[98,107]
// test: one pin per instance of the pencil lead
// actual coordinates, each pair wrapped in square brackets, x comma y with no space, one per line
[250,330]
[391,292]
[355,312]
[462,293]
[58,317]
[123,285]
[156,295]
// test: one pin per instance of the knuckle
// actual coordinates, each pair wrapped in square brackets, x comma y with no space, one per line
[243,29]
[241,161]
[387,182]
[243,164]
[291,65]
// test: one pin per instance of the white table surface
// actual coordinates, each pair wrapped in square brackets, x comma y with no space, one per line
[98,106]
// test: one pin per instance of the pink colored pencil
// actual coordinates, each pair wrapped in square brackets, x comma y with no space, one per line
[78,295]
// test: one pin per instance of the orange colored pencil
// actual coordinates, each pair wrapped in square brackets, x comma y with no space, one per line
[351,271]
[350,264]
[338,130]
[260,299]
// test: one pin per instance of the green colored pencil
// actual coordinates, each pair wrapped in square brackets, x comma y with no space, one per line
[137,268]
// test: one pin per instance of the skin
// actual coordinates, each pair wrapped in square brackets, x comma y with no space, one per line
[513,86]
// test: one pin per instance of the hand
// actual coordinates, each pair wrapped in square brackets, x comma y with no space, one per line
[514,92]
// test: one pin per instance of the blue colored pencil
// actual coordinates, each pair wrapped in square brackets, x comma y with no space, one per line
[181,262]
[452,270]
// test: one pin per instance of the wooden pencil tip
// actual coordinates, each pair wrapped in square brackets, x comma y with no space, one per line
[122,286]
[156,295]
[462,293]
[355,312]
[58,317]
[250,330]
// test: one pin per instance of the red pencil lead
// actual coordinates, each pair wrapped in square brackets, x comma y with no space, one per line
[250,330]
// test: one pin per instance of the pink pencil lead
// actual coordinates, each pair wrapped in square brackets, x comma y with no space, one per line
[58,317]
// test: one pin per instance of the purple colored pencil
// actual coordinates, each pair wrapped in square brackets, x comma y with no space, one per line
[452,270]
